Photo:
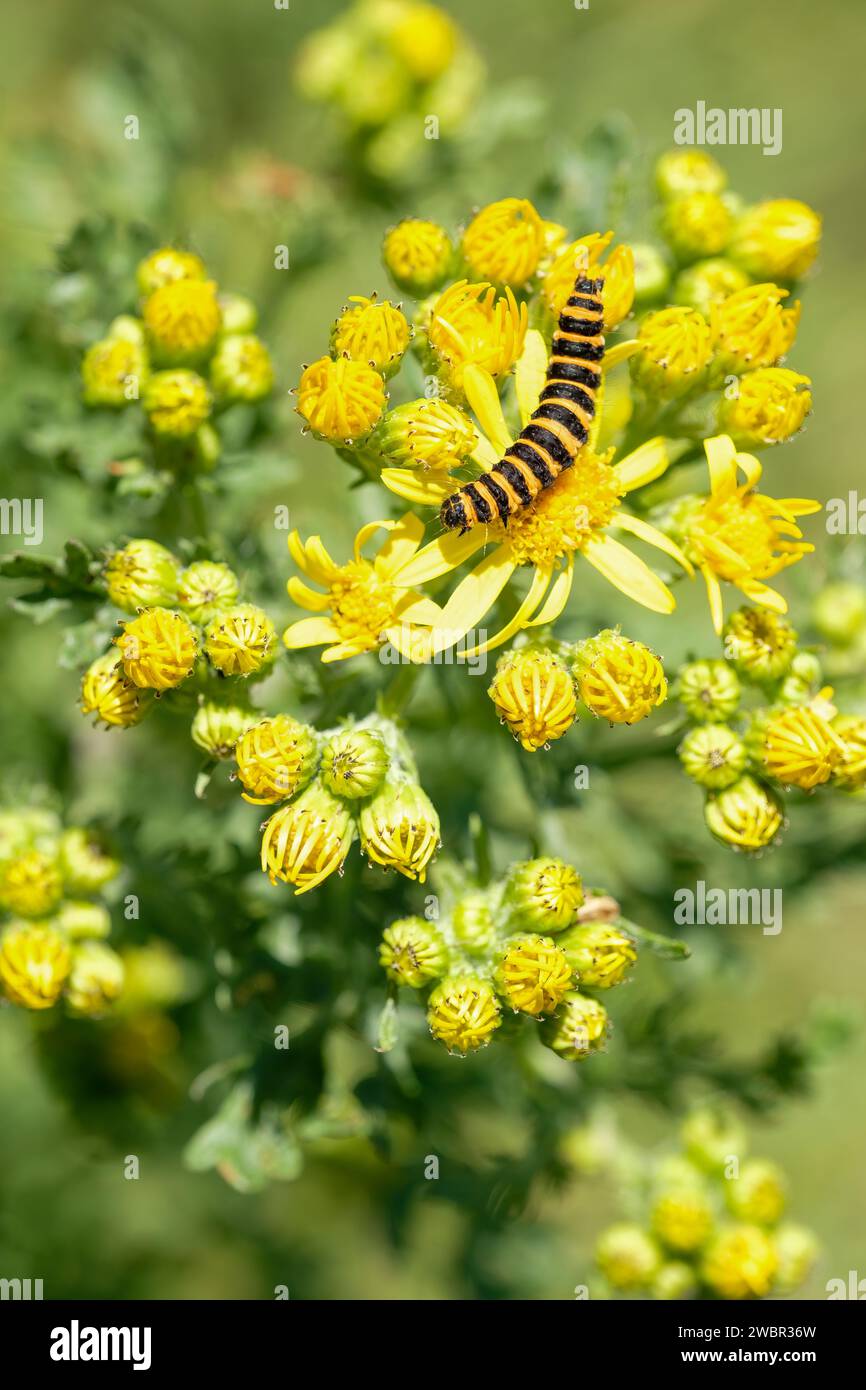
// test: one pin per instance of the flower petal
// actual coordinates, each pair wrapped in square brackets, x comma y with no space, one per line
[440,557]
[763,594]
[628,573]
[422,486]
[312,557]
[636,526]
[310,632]
[722,462]
[474,596]
[714,594]
[557,598]
[520,619]
[644,464]
[529,374]
[482,395]
[418,609]
[620,353]
[305,597]
[402,543]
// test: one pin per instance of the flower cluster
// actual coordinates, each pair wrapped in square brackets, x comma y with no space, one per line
[190,353]
[712,1223]
[384,66]
[330,787]
[539,687]
[189,630]
[53,941]
[531,943]
[762,722]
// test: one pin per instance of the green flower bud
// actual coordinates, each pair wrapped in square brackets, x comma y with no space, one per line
[241,369]
[697,225]
[426,434]
[803,681]
[130,329]
[85,861]
[96,979]
[473,923]
[83,921]
[579,1027]
[413,952]
[679,172]
[206,589]
[239,314]
[543,894]
[164,266]
[747,815]
[708,690]
[399,829]
[141,575]
[216,728]
[839,613]
[600,953]
[674,1281]
[760,644]
[651,273]
[758,1194]
[208,447]
[707,283]
[354,763]
[627,1257]
[713,756]
[797,1251]
[712,1135]
[113,373]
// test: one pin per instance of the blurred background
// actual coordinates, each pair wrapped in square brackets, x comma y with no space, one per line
[233,160]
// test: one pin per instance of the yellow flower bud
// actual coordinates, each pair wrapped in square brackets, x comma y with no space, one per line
[341,400]
[85,861]
[372,331]
[504,242]
[307,841]
[579,1027]
[618,291]
[157,649]
[747,815]
[741,1262]
[619,679]
[82,921]
[680,172]
[712,1136]
[469,324]
[413,952]
[239,314]
[796,1251]
[627,1257]
[697,225]
[113,373]
[182,320]
[675,349]
[801,748]
[354,763]
[758,1194]
[850,772]
[96,979]
[713,756]
[682,1218]
[176,404]
[543,894]
[34,963]
[839,612]
[426,434]
[425,40]
[760,643]
[674,1281]
[241,640]
[241,369]
[600,953]
[777,240]
[464,1013]
[533,974]
[751,329]
[473,923]
[769,407]
[707,283]
[30,885]
[399,829]
[276,758]
[165,266]
[533,693]
[140,574]
[207,588]
[417,255]
[110,696]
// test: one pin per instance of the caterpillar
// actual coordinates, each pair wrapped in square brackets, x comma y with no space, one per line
[557,430]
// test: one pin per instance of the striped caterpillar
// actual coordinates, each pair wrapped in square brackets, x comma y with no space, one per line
[559,427]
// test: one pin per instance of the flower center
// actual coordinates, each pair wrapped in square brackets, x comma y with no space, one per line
[736,536]
[582,501]
[362,605]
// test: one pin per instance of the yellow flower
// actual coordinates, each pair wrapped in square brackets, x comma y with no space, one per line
[697,225]
[504,242]
[365,607]
[758,1193]
[534,695]
[182,319]
[30,886]
[469,325]
[850,772]
[579,1027]
[533,974]
[241,369]
[399,829]
[464,1013]
[426,434]
[113,373]
[141,573]
[680,172]
[740,535]
[617,295]
[682,1219]
[567,518]
[751,329]
[543,894]
[801,748]
[425,39]
[746,815]
[158,649]
[740,1263]
[675,349]
[341,400]
[276,758]
[34,963]
[373,332]
[176,403]
[769,407]
[777,240]
[96,979]
[164,266]
[627,1257]
[107,694]
[241,640]
[558,278]
[412,952]
[760,643]
[206,588]
[600,953]
[619,679]
[707,282]
[417,255]
[306,841]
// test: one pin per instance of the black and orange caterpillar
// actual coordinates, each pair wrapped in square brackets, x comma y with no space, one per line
[559,427]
